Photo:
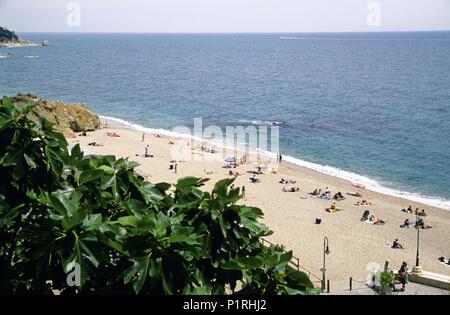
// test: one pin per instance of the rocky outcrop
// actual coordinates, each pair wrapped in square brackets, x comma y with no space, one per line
[68,118]
[7,35]
[10,39]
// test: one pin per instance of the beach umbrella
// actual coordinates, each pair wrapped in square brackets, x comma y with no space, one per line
[231,160]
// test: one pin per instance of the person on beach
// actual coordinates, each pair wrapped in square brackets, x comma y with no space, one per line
[396,244]
[243,192]
[146,151]
[403,275]
[422,213]
[95,144]
[143,137]
[175,168]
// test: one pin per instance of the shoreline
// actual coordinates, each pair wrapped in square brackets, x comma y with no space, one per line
[17,45]
[318,169]
[353,243]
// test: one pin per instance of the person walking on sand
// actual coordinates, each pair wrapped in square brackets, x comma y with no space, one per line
[176,168]
[143,137]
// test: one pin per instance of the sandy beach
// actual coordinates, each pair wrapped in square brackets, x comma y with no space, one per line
[291,215]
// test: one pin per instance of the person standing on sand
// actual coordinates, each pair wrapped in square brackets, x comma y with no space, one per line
[403,275]
[281,157]
[243,192]
[176,168]
[143,137]
[146,150]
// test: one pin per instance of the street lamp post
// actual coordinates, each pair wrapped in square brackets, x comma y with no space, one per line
[417,269]
[326,251]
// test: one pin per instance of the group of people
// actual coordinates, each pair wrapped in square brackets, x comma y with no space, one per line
[419,223]
[323,195]
[415,212]
[287,181]
[206,149]
[371,218]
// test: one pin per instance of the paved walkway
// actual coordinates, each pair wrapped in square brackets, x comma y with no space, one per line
[342,288]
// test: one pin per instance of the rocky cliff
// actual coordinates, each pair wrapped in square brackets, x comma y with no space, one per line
[68,118]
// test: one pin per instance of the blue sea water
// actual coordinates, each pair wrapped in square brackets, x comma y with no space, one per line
[371,107]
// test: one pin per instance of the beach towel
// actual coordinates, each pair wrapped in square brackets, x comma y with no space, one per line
[391,247]
[332,211]
[411,224]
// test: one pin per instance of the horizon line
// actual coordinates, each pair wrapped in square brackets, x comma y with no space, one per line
[218,33]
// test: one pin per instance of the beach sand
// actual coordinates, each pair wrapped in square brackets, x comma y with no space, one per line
[353,243]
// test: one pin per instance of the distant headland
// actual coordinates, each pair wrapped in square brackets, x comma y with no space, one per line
[9,39]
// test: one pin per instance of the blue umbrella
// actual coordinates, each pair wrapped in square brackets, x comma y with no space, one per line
[231,160]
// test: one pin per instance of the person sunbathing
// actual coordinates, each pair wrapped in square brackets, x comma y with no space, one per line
[422,213]
[374,220]
[421,223]
[233,173]
[112,134]
[396,244]
[291,189]
[338,196]
[405,224]
[95,144]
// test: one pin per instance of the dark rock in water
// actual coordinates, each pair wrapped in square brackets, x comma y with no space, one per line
[68,118]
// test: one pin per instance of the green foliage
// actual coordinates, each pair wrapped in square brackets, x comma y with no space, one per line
[128,236]
[387,278]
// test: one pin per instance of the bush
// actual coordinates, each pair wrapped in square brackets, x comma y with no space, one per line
[60,210]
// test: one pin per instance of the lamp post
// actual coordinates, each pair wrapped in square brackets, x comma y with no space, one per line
[326,251]
[417,269]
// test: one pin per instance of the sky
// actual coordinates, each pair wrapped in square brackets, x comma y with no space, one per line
[224,16]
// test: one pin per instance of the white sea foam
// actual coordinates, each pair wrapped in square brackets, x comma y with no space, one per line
[263,122]
[324,169]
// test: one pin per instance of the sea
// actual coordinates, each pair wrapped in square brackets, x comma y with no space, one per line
[372,108]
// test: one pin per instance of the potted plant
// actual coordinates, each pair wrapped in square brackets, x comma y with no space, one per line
[387,280]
